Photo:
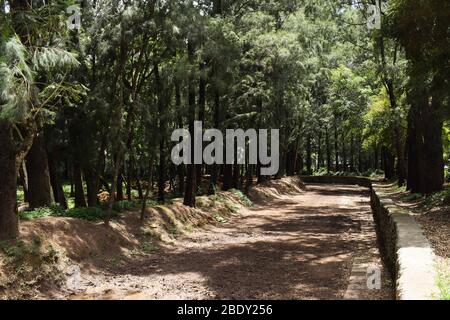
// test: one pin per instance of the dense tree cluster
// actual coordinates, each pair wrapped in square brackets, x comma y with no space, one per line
[96,106]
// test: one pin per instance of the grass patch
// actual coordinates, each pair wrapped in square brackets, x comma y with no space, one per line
[189,229]
[17,250]
[231,207]
[413,197]
[40,212]
[89,214]
[20,195]
[219,218]
[152,232]
[201,202]
[438,198]
[216,199]
[148,247]
[443,280]
[127,205]
[400,189]
[371,173]
[174,232]
[242,197]
[321,172]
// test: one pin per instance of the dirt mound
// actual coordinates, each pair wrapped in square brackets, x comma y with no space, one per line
[50,248]
[274,189]
[90,243]
[28,267]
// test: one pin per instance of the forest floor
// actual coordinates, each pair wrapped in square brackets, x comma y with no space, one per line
[296,246]
[291,244]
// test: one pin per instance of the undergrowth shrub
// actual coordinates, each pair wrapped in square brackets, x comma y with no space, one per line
[242,197]
[41,212]
[321,172]
[90,214]
[128,205]
[439,198]
[413,197]
[372,173]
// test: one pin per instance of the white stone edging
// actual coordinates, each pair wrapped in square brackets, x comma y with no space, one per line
[414,267]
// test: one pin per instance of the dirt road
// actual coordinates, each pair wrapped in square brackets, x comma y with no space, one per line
[296,247]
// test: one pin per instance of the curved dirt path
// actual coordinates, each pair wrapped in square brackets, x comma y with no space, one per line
[296,247]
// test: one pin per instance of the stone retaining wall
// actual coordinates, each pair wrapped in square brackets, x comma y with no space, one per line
[406,251]
[359,181]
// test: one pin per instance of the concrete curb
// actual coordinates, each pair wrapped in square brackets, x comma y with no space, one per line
[406,251]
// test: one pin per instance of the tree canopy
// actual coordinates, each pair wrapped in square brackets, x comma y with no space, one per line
[95,106]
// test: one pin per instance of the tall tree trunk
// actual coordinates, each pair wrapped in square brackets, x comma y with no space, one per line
[119,192]
[9,224]
[147,191]
[236,176]
[375,157]
[388,160]
[228,169]
[23,178]
[327,141]
[227,177]
[336,147]
[217,7]
[40,192]
[80,201]
[191,185]
[309,155]
[425,151]
[115,132]
[213,182]
[249,178]
[352,155]
[344,153]
[434,174]
[92,175]
[217,11]
[55,177]
[291,159]
[130,174]
[180,168]
[398,134]
[161,126]
[139,188]
[201,110]
[360,155]
[91,187]
[319,151]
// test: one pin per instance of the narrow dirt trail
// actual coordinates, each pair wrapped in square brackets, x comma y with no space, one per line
[299,246]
